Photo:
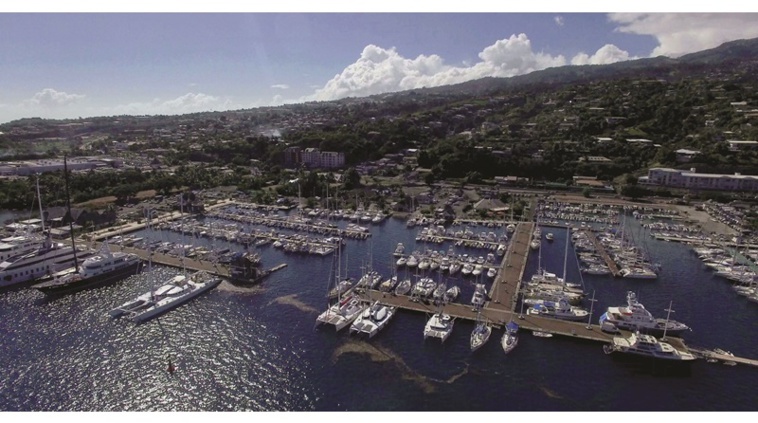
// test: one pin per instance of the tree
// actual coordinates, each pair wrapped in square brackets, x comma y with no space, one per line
[429,178]
[351,179]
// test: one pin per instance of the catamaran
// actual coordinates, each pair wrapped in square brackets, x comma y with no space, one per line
[347,308]
[373,319]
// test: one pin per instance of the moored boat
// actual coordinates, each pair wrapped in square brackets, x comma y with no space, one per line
[440,325]
[647,346]
[98,270]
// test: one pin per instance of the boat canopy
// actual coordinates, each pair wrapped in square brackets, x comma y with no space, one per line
[511,327]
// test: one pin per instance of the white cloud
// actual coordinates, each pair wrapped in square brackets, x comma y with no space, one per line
[281,86]
[558,20]
[380,70]
[187,103]
[682,33]
[50,98]
[606,54]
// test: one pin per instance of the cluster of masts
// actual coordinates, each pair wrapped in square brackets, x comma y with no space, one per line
[727,265]
[293,222]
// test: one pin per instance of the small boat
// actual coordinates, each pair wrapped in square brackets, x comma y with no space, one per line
[452,293]
[477,270]
[440,325]
[479,297]
[399,249]
[387,285]
[439,291]
[549,236]
[510,337]
[542,334]
[403,287]
[492,272]
[480,335]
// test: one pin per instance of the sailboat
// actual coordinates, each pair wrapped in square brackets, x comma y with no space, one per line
[347,308]
[510,337]
[481,333]
[373,319]
[176,291]
[404,286]
[47,258]
[101,269]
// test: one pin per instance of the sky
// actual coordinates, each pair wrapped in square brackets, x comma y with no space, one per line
[103,62]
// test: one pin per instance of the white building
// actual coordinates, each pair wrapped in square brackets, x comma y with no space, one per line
[690,179]
[331,159]
[684,155]
[735,145]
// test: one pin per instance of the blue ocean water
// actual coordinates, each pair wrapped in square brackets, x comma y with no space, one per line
[257,349]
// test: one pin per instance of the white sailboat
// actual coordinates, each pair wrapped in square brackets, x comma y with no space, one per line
[347,308]
[510,337]
[481,333]
[175,292]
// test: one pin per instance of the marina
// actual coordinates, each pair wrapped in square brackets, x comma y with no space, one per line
[296,297]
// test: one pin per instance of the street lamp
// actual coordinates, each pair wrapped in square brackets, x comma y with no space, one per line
[592,306]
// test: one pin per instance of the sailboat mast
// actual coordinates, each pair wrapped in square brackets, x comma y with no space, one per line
[669,310]
[181,229]
[565,255]
[70,217]
[39,200]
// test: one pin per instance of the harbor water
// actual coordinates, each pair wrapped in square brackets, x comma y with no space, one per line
[258,349]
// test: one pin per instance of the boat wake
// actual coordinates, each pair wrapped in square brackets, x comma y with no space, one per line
[293,301]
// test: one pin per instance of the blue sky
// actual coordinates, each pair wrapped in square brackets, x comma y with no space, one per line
[68,65]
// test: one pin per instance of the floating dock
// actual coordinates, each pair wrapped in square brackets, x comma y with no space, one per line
[612,266]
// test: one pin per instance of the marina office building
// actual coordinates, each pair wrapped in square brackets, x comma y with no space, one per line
[690,179]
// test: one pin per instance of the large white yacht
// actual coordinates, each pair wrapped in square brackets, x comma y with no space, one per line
[19,244]
[48,258]
[646,346]
[440,325]
[98,270]
[373,319]
[634,317]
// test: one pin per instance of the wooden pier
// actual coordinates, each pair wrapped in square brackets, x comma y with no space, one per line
[189,263]
[604,254]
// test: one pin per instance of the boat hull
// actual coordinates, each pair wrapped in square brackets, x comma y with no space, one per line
[97,281]
[163,308]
